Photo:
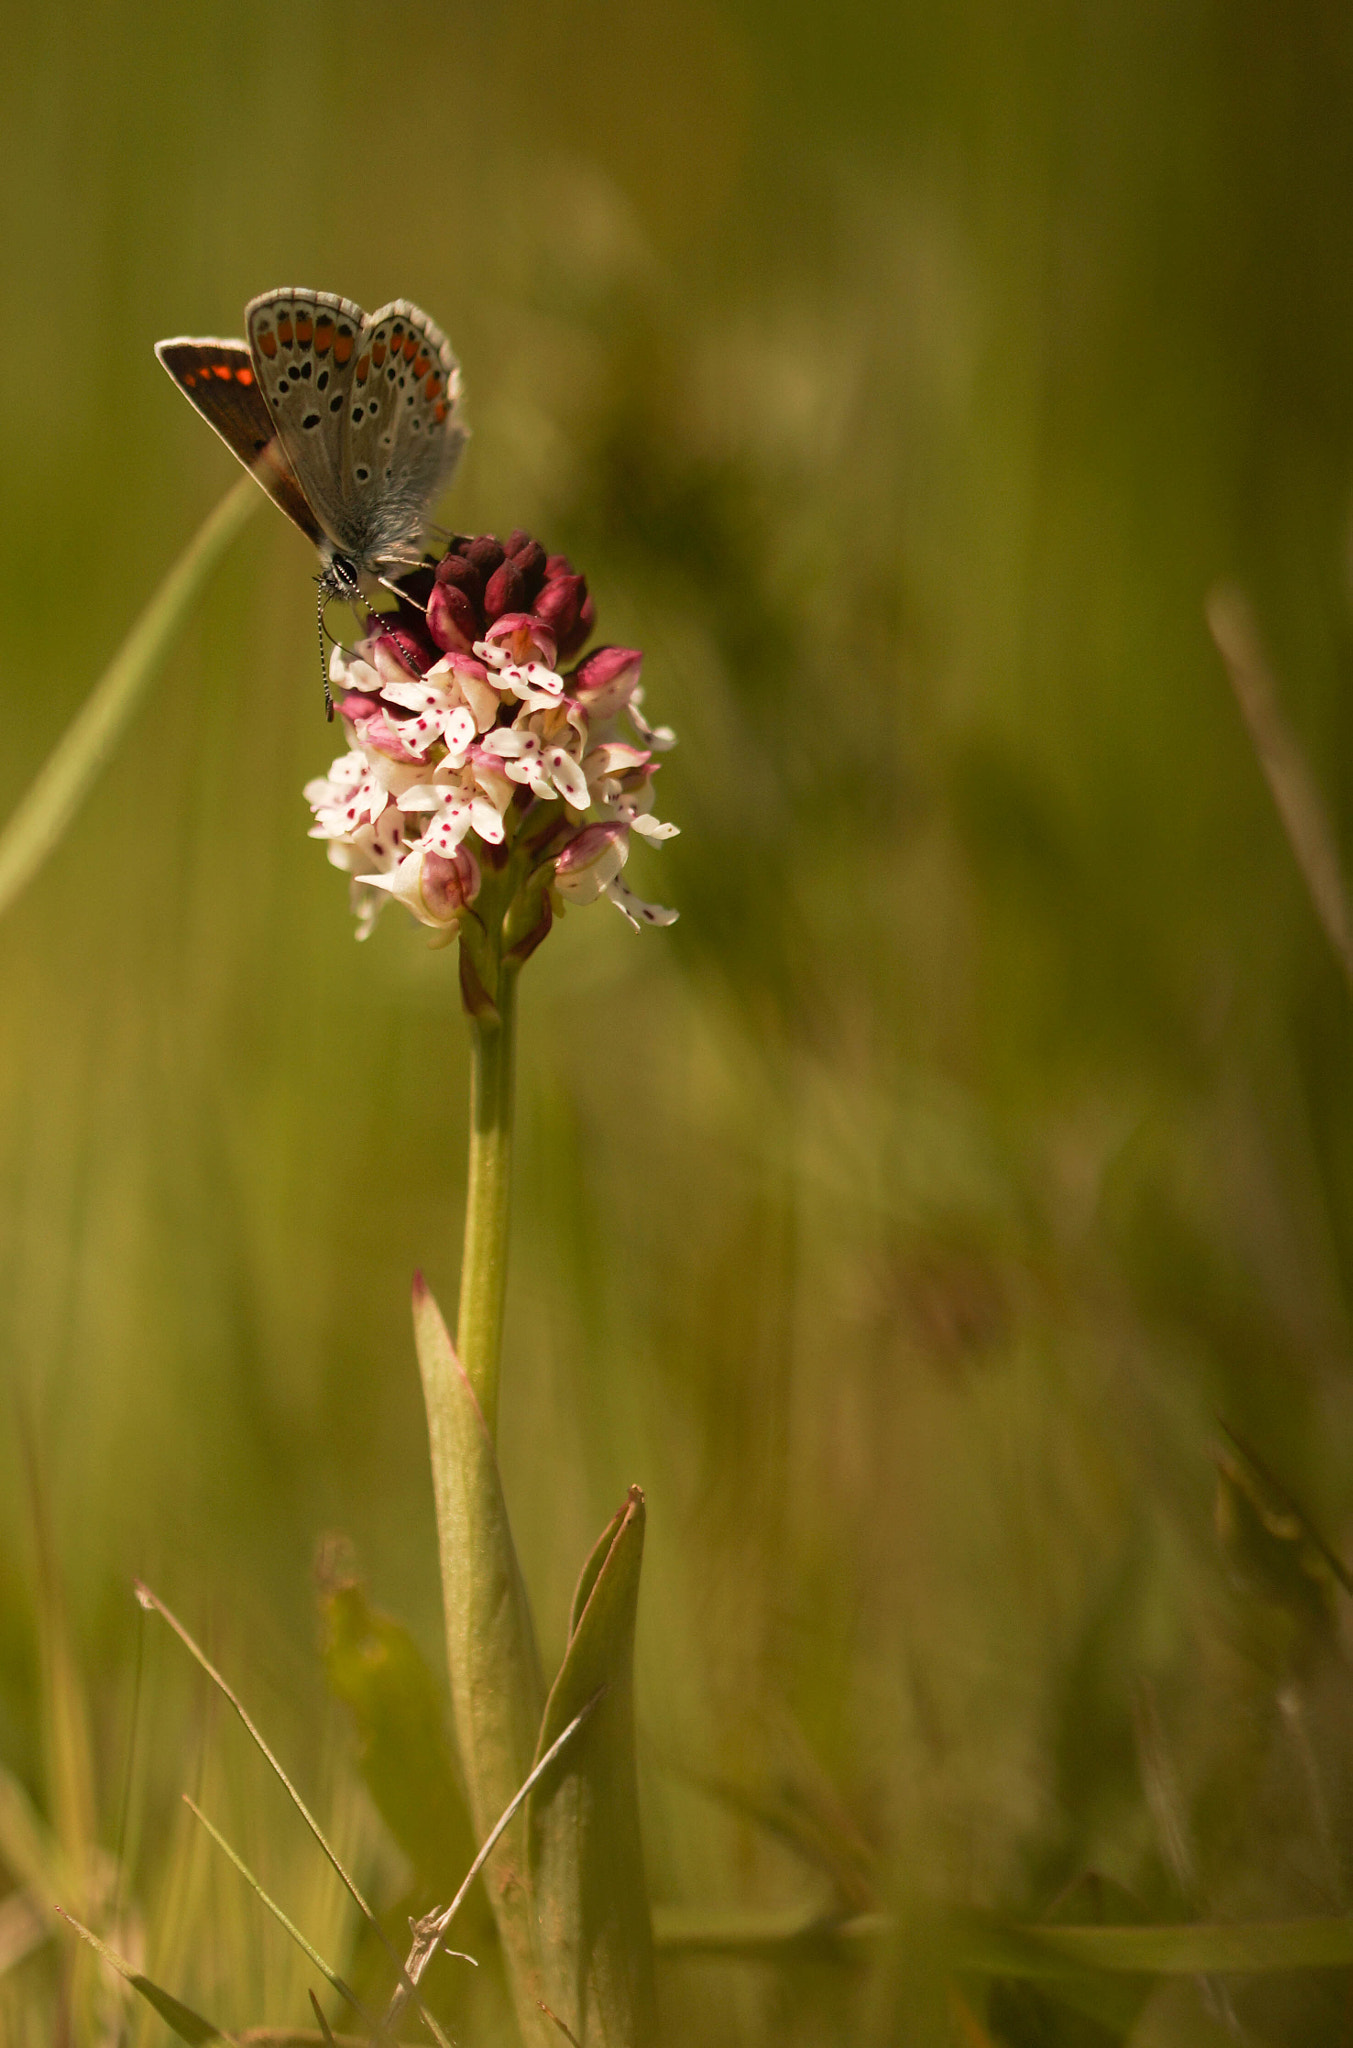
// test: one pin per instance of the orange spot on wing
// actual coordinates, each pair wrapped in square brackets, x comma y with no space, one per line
[363,365]
[433,386]
[267,342]
[324,334]
[420,368]
[223,370]
[244,375]
[442,410]
[411,348]
[378,352]
[284,330]
[305,328]
[343,345]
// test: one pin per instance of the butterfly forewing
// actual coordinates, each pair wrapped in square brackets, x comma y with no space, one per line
[304,350]
[403,432]
[217,377]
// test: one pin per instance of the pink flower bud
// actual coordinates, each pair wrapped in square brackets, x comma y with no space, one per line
[526,638]
[560,604]
[453,619]
[558,565]
[605,682]
[393,655]
[518,539]
[448,884]
[591,859]
[380,734]
[356,705]
[505,591]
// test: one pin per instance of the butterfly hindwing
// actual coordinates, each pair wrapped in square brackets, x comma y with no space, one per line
[402,429]
[217,377]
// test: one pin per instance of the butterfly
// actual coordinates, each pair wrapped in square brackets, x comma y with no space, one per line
[349,420]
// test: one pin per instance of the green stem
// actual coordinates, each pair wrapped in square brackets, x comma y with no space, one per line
[483,1272]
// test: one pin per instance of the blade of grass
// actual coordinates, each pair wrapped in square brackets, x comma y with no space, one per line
[153,1604]
[181,2019]
[331,1975]
[430,1933]
[324,2026]
[996,1948]
[60,785]
[1280,1501]
[1295,793]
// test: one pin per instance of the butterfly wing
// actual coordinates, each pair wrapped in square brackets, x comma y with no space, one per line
[305,348]
[217,377]
[402,431]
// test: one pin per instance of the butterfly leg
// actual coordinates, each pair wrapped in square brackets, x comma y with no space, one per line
[404,596]
[338,580]
[324,596]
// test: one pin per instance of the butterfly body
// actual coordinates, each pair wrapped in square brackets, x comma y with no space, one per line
[349,420]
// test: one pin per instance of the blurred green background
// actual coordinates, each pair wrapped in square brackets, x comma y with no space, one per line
[908,1216]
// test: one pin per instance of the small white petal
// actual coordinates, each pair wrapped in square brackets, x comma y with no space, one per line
[447,833]
[487,822]
[659,737]
[651,827]
[510,742]
[458,730]
[635,909]
[568,778]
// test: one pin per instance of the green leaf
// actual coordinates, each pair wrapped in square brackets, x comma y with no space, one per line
[497,1690]
[586,1854]
[376,1668]
[64,780]
[187,2024]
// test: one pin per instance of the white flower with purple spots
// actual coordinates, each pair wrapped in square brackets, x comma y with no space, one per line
[473,754]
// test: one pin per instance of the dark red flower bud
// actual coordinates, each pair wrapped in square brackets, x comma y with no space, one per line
[531,562]
[453,619]
[486,553]
[466,575]
[518,539]
[504,591]
[582,631]
[558,565]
